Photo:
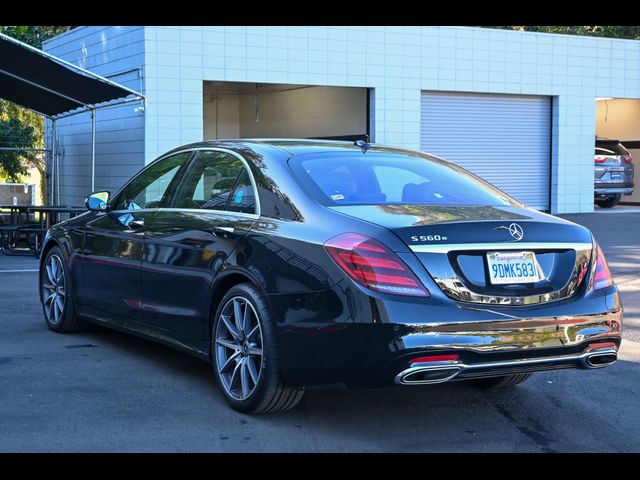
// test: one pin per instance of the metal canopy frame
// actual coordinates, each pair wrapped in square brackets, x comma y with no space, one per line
[83,107]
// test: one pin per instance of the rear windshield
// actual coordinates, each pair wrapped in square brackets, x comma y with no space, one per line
[610,148]
[386,178]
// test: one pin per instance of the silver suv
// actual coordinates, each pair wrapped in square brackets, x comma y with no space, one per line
[614,172]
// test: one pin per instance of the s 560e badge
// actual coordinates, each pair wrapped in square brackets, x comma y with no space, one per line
[427,238]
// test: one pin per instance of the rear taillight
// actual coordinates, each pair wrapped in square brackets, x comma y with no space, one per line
[373,265]
[628,158]
[600,159]
[602,276]
[595,346]
[435,358]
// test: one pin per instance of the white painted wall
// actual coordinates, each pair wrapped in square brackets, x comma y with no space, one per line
[397,62]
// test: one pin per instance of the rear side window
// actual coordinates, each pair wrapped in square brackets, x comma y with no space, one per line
[388,178]
[242,197]
[216,181]
[209,182]
[610,148]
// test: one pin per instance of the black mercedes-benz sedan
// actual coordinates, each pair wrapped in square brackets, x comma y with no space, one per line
[291,264]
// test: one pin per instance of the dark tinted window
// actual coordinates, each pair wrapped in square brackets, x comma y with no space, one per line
[150,187]
[610,148]
[387,178]
[243,198]
[209,182]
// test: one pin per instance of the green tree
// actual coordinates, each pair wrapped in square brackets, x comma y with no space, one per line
[16,134]
[20,127]
[33,35]
[613,31]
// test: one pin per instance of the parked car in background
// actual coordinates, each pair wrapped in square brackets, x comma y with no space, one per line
[614,172]
[290,264]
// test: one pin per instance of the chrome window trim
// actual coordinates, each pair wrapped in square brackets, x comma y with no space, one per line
[453,287]
[209,210]
[138,210]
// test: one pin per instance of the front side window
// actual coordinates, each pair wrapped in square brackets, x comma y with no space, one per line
[392,178]
[150,187]
[217,181]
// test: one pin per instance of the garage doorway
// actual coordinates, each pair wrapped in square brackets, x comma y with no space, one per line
[504,139]
[619,119]
[262,110]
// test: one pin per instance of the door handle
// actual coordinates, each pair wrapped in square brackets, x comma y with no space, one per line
[136,224]
[224,229]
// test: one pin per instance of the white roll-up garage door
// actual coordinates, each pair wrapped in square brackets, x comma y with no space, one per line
[505,139]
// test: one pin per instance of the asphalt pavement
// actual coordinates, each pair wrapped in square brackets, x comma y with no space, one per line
[104,391]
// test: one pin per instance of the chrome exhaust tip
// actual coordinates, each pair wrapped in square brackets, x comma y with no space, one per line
[427,375]
[599,360]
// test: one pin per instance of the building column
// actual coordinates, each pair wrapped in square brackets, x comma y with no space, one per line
[573,143]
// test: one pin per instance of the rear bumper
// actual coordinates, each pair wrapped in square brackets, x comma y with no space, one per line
[439,372]
[613,189]
[362,353]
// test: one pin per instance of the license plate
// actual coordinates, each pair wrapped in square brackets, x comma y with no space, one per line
[616,176]
[513,267]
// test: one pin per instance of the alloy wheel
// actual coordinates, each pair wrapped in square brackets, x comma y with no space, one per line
[53,290]
[238,348]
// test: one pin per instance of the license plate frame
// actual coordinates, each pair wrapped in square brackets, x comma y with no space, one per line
[513,267]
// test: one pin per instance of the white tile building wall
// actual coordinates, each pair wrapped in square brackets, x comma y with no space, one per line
[398,62]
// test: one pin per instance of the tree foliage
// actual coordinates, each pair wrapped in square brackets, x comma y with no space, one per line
[613,31]
[32,35]
[15,133]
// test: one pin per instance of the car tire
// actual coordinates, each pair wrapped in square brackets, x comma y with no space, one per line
[500,382]
[609,202]
[57,296]
[250,382]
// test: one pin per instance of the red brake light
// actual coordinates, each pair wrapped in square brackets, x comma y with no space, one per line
[602,277]
[600,159]
[594,346]
[435,358]
[628,158]
[373,265]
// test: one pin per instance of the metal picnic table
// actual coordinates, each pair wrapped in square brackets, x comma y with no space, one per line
[46,217]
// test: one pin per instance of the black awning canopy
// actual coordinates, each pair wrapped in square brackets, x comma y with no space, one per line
[51,86]
[56,88]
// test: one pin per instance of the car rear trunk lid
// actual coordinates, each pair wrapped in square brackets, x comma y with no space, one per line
[453,243]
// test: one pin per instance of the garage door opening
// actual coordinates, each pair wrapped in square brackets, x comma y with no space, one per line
[260,110]
[504,139]
[617,119]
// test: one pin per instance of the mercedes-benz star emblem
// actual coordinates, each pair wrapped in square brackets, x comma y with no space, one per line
[514,229]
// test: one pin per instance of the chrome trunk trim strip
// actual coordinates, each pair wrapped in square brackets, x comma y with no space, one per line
[450,247]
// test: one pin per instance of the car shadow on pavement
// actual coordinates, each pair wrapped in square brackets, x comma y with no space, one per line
[545,414]
[159,355]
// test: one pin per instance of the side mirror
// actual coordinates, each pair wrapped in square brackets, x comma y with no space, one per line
[97,201]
